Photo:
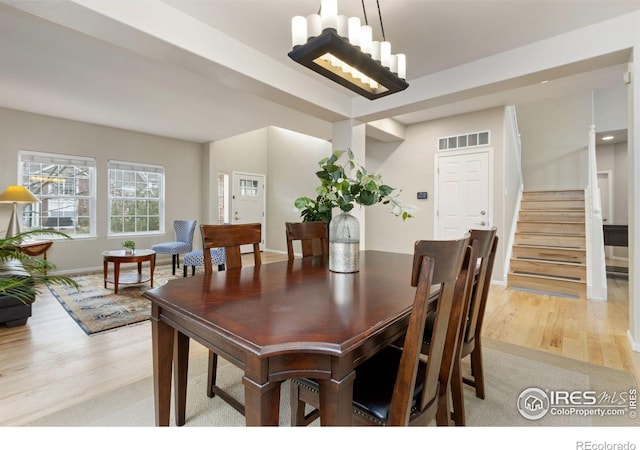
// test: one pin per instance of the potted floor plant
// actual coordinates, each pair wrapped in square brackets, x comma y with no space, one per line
[343,184]
[32,271]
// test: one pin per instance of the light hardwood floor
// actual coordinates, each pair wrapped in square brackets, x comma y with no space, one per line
[51,363]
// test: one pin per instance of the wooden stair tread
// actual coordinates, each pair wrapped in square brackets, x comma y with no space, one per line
[549,261]
[547,277]
[573,249]
[542,233]
[554,222]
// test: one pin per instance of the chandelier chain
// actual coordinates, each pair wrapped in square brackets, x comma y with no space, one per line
[364,11]
[380,16]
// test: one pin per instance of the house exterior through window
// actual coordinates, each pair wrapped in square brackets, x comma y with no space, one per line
[136,198]
[65,186]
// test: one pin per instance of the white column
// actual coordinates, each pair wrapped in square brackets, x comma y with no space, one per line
[351,134]
[634,207]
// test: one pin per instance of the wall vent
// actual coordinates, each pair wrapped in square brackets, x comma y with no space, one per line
[468,140]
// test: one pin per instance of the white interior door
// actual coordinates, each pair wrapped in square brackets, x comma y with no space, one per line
[248,202]
[462,194]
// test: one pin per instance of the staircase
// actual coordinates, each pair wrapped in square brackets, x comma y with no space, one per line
[549,251]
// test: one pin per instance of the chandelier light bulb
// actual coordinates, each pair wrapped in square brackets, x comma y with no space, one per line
[402,65]
[299,30]
[375,50]
[366,34]
[385,54]
[354,30]
[314,25]
[329,14]
[343,26]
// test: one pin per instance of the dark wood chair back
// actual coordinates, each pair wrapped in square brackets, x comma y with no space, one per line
[231,237]
[487,245]
[313,237]
[452,270]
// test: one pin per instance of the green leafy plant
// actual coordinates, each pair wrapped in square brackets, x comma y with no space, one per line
[131,245]
[345,183]
[25,287]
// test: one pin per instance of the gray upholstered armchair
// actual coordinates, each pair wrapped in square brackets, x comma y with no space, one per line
[184,230]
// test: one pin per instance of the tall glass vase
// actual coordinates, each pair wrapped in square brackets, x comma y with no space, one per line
[344,243]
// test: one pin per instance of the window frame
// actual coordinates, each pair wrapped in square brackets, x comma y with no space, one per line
[34,157]
[137,168]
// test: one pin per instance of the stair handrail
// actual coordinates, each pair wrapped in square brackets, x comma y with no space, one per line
[596,264]
[512,128]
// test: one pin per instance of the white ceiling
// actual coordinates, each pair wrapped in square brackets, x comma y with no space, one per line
[108,63]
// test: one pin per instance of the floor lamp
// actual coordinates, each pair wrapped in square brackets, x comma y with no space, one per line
[15,195]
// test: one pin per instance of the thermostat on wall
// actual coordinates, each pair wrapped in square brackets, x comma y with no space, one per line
[422,195]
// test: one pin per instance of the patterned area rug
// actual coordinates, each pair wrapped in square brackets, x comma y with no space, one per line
[97,309]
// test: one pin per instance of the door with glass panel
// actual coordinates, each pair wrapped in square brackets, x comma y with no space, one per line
[248,202]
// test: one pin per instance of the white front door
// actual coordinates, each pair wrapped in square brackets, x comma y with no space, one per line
[463,194]
[248,202]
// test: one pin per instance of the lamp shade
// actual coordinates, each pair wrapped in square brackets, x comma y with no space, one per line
[18,194]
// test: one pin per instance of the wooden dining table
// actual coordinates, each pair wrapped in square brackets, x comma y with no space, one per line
[280,321]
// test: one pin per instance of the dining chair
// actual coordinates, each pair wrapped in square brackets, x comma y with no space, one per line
[313,237]
[230,238]
[472,342]
[395,386]
[183,243]
[196,258]
[486,243]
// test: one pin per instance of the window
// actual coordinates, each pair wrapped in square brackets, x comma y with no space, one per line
[136,198]
[474,139]
[223,206]
[249,188]
[65,186]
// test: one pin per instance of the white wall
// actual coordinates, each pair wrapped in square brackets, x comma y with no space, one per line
[410,166]
[289,161]
[292,162]
[554,142]
[610,110]
[181,161]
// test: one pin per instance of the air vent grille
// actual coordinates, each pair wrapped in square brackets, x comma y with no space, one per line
[460,141]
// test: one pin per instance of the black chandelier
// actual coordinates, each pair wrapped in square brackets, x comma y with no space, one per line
[344,51]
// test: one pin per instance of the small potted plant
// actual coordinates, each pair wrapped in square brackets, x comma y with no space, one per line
[129,247]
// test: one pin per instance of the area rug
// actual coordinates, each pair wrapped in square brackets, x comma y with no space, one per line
[97,309]
[509,370]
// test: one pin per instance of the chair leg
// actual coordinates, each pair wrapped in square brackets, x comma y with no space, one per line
[211,374]
[173,264]
[193,271]
[476,363]
[297,406]
[443,413]
[457,395]
[221,267]
[184,272]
